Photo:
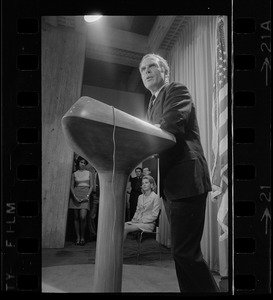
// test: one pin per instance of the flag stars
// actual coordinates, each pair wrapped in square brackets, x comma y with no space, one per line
[221,63]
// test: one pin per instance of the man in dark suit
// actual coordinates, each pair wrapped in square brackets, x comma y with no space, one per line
[136,184]
[184,175]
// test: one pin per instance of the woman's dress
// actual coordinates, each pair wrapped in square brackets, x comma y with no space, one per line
[81,189]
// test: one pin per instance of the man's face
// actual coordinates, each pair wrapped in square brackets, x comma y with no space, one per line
[146,171]
[153,76]
[138,172]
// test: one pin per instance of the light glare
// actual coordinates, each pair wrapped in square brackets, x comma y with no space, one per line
[92,18]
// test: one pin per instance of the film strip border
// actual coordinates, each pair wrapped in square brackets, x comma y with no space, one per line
[21,130]
[251,147]
[21,153]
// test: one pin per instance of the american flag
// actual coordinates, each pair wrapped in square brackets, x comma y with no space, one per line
[219,168]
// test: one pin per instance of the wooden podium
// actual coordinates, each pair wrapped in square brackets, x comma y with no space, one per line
[114,142]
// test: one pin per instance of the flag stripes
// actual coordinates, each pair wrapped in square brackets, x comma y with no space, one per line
[219,155]
[219,169]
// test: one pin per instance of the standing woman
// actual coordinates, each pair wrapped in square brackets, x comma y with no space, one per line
[81,189]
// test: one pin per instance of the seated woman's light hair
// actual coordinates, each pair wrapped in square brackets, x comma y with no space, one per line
[152,182]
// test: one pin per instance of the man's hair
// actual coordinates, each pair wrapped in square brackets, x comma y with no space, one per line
[162,62]
[146,168]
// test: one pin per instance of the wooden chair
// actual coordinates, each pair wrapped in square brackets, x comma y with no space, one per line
[142,233]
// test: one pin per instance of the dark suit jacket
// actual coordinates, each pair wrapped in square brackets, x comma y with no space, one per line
[183,168]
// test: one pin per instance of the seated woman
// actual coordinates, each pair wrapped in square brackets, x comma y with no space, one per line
[147,210]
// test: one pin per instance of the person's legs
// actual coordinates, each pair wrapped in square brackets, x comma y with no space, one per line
[91,219]
[83,213]
[77,224]
[187,223]
[129,228]
[167,208]
[91,226]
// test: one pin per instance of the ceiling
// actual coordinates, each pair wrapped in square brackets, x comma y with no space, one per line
[116,44]
[136,24]
[116,70]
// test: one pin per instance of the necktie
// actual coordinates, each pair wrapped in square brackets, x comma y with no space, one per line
[151,103]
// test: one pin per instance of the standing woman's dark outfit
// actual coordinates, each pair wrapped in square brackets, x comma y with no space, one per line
[185,183]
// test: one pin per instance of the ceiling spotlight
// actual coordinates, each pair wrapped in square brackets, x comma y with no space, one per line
[92,18]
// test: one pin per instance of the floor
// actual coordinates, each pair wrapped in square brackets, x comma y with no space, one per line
[70,269]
